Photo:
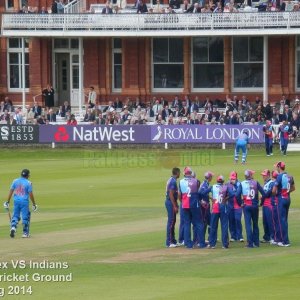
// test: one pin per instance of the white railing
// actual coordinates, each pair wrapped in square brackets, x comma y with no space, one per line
[143,24]
[75,7]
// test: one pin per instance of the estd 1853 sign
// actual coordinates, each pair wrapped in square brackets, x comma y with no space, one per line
[23,134]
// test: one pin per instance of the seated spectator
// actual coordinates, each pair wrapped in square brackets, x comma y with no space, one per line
[195,8]
[41,120]
[185,6]
[54,7]
[12,120]
[36,109]
[43,10]
[171,120]
[166,112]
[159,120]
[18,116]
[66,108]
[72,121]
[126,116]
[118,103]
[89,116]
[107,9]
[218,8]
[2,107]
[51,115]
[110,107]
[5,117]
[149,111]
[142,7]
[174,4]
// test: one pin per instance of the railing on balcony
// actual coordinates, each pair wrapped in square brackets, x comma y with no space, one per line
[75,7]
[145,24]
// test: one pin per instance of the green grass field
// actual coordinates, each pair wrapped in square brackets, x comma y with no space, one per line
[102,212]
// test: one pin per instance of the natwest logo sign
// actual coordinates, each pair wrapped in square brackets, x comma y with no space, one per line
[86,134]
[22,134]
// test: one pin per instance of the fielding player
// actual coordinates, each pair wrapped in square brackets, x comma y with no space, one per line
[21,189]
[242,143]
[188,195]
[247,195]
[204,191]
[219,211]
[234,209]
[267,209]
[275,214]
[284,132]
[172,207]
[283,186]
[268,131]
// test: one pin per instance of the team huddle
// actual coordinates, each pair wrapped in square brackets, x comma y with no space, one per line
[203,205]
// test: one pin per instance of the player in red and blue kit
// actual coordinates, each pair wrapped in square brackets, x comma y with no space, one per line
[188,195]
[284,132]
[267,209]
[275,214]
[268,131]
[21,190]
[204,191]
[247,195]
[219,211]
[172,207]
[234,209]
[284,185]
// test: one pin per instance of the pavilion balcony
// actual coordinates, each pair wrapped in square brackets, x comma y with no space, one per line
[150,25]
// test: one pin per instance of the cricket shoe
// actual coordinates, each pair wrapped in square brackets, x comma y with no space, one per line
[280,244]
[25,235]
[241,240]
[272,242]
[210,247]
[264,241]
[180,244]
[172,246]
[12,232]
[287,245]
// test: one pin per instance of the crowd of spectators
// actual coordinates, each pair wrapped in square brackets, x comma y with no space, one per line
[175,6]
[180,110]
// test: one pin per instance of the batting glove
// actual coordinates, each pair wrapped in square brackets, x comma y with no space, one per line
[34,207]
[6,204]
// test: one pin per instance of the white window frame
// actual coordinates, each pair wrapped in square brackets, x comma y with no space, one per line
[217,90]
[116,50]
[164,90]
[9,8]
[245,89]
[19,51]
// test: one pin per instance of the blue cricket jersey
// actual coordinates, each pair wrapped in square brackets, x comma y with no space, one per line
[242,139]
[284,183]
[22,187]
[248,191]
[171,185]
[204,191]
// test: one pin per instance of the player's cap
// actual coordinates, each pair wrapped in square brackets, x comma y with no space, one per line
[249,173]
[193,174]
[280,165]
[274,174]
[187,171]
[208,174]
[265,172]
[220,179]
[233,175]
[25,173]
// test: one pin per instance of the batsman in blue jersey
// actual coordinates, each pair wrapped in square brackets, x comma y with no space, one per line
[21,190]
[242,143]
[283,186]
[247,195]
[172,207]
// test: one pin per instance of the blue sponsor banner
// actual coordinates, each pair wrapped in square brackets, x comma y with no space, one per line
[145,134]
